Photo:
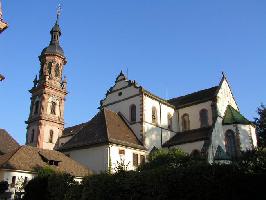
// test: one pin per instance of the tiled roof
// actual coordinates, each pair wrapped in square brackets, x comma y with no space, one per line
[189,136]
[196,97]
[7,143]
[29,158]
[104,128]
[70,131]
[232,116]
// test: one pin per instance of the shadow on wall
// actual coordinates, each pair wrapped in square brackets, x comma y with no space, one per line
[156,137]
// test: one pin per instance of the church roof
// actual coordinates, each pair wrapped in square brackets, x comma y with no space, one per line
[104,128]
[194,98]
[54,46]
[189,136]
[53,49]
[73,130]
[232,116]
[29,158]
[7,143]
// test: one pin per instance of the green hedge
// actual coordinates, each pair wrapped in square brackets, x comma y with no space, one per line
[168,175]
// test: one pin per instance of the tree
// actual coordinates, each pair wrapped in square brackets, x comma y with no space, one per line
[51,185]
[260,123]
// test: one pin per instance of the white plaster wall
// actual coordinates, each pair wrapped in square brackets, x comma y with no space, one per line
[130,95]
[254,136]
[127,158]
[6,175]
[165,110]
[225,98]
[189,147]
[126,93]
[194,114]
[152,136]
[156,134]
[245,135]
[217,139]
[120,84]
[95,158]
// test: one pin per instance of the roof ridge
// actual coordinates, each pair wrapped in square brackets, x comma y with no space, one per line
[233,116]
[105,121]
[76,125]
[124,120]
[193,93]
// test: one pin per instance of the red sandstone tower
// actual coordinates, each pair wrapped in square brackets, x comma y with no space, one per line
[46,118]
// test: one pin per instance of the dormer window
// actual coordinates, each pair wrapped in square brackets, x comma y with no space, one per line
[49,159]
[53,162]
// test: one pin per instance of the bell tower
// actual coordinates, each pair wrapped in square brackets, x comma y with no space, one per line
[46,119]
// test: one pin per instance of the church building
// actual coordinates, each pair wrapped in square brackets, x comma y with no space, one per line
[132,121]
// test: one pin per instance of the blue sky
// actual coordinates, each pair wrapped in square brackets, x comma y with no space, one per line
[170,47]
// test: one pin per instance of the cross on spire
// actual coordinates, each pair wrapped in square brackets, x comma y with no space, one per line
[58,12]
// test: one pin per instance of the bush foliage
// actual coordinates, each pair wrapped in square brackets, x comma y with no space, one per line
[168,175]
[3,186]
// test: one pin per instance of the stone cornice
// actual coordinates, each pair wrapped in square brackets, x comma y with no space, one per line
[40,89]
[55,119]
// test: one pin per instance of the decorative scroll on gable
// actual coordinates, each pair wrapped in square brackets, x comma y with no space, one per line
[122,89]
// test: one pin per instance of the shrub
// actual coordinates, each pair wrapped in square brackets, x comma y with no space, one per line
[51,186]
[3,186]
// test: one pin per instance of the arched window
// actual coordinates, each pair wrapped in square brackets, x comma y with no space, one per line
[57,70]
[53,107]
[154,115]
[230,143]
[204,118]
[133,113]
[32,136]
[185,122]
[36,107]
[51,136]
[49,68]
[170,121]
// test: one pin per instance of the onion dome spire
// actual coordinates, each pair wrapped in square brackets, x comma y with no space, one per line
[54,46]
